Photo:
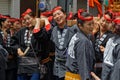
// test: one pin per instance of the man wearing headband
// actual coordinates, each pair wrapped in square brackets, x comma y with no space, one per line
[80,53]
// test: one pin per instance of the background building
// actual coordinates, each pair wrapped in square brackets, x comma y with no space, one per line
[15,8]
[74,5]
[10,7]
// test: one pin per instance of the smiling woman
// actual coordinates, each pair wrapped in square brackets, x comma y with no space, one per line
[25,43]
[101,38]
[60,34]
[59,16]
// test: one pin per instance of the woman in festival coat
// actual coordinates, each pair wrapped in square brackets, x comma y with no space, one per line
[28,49]
[101,38]
[111,60]
[60,35]
[11,71]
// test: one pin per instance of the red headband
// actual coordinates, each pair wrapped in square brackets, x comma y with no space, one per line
[117,14]
[50,18]
[47,13]
[23,14]
[56,8]
[108,19]
[13,19]
[70,16]
[26,12]
[117,21]
[2,16]
[83,18]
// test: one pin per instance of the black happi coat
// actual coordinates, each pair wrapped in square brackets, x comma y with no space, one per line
[55,34]
[28,63]
[101,41]
[3,56]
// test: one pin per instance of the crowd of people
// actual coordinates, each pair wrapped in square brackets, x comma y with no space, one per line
[50,48]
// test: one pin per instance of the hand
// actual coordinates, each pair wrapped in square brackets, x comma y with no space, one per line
[33,22]
[20,53]
[37,25]
[45,19]
[95,76]
[37,20]
[102,49]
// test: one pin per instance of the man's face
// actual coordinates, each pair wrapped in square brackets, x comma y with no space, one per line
[88,27]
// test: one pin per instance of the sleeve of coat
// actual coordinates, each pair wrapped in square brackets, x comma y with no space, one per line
[84,58]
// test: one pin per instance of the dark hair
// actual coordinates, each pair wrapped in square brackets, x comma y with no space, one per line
[2,20]
[31,14]
[63,11]
[84,14]
[117,29]
[75,16]
[110,14]
[60,9]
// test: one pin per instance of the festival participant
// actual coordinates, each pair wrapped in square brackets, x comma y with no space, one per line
[101,38]
[111,60]
[6,32]
[80,53]
[17,25]
[27,48]
[60,35]
[3,56]
[96,25]
[47,58]
[111,56]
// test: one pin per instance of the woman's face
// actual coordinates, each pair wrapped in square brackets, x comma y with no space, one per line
[6,24]
[59,17]
[29,20]
[17,25]
[23,23]
[96,24]
[104,23]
